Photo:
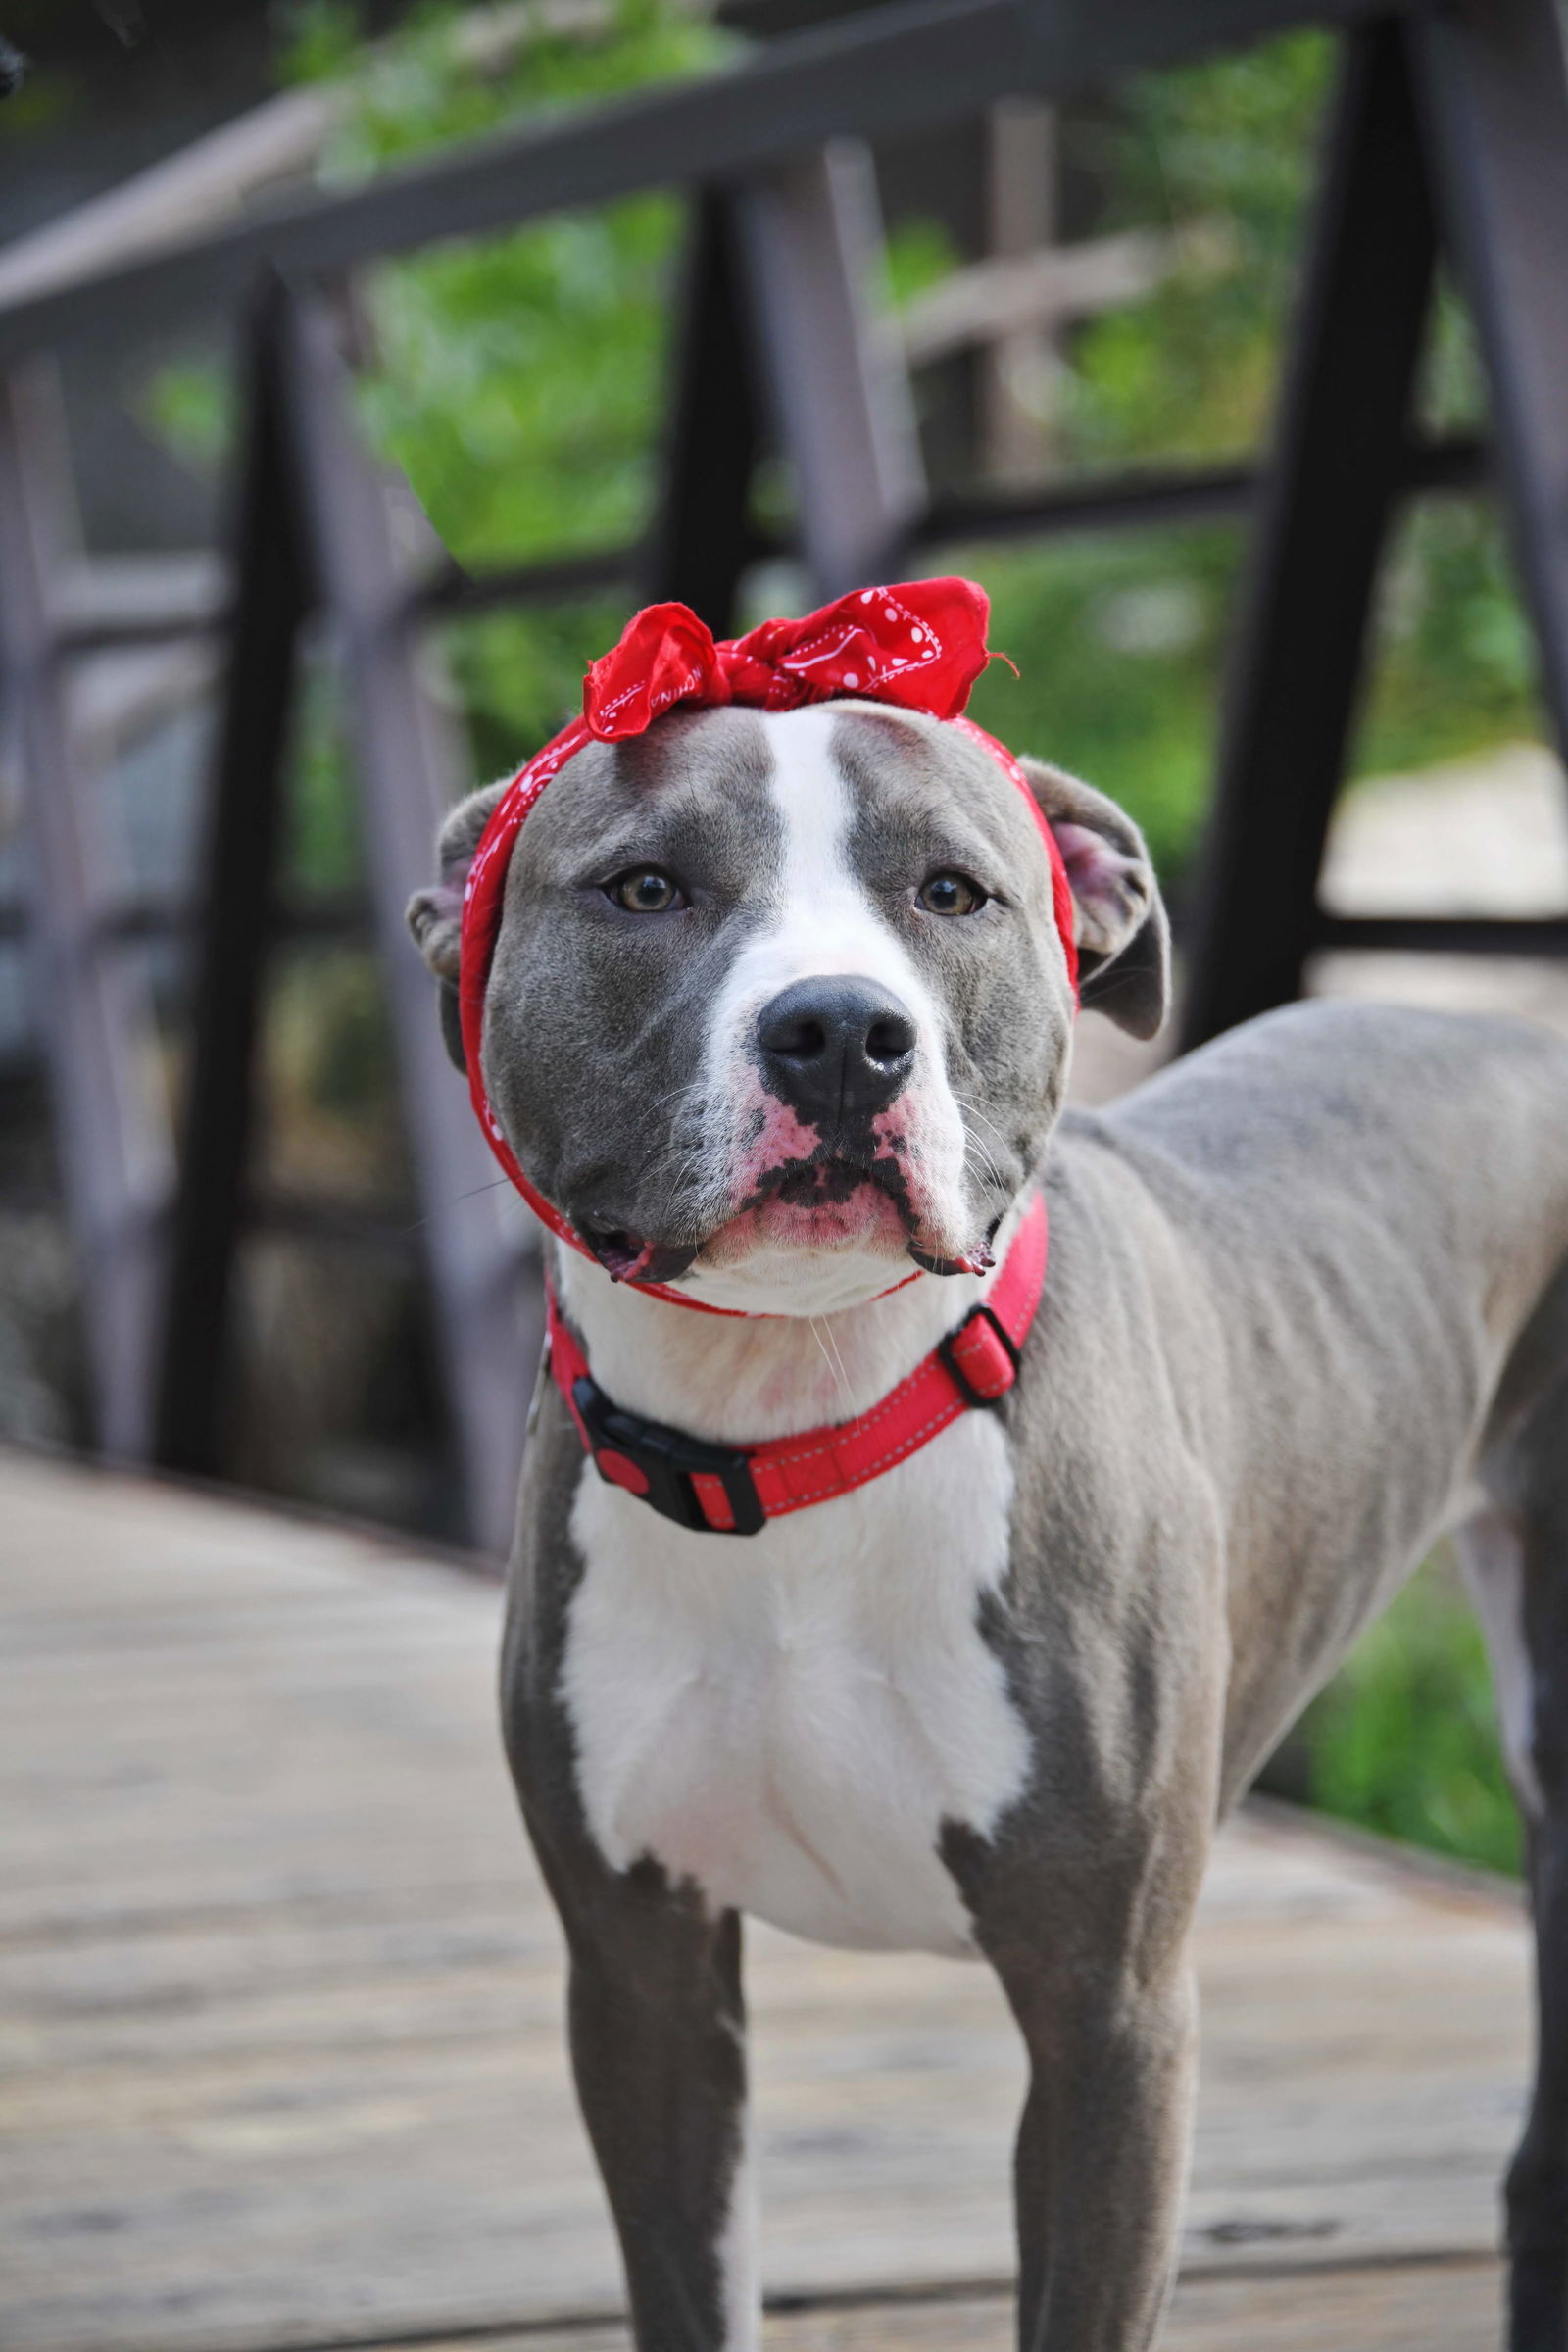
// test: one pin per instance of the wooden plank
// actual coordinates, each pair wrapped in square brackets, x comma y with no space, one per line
[280,2054]
[998,298]
[1435,2307]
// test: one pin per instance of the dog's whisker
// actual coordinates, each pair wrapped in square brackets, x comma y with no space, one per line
[985,1158]
[692,1086]
[838,1357]
[974,1142]
[456,1200]
[835,1364]
[965,1103]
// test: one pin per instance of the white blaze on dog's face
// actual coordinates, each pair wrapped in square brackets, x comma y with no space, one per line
[826,1055]
[778,1003]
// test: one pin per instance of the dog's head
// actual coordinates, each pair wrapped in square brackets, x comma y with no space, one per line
[778,1001]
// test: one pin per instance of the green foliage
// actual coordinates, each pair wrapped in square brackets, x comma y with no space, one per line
[1457,668]
[1230,144]
[1404,1740]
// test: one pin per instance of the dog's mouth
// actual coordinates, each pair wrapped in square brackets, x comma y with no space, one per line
[836,1201]
[829,1200]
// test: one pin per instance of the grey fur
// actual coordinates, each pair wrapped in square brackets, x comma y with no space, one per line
[1123,934]
[435,915]
[1306,1299]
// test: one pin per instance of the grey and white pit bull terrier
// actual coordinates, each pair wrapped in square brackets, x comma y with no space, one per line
[1306,1310]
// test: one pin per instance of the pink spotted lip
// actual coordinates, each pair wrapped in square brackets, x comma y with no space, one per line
[779,1139]
[862,1217]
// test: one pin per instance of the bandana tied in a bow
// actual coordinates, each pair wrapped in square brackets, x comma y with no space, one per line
[920,645]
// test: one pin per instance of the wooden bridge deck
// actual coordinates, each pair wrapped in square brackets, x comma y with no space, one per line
[280,2060]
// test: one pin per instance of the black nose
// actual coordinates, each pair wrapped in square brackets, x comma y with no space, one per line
[836,1049]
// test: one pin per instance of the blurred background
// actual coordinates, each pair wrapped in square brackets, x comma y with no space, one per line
[519,383]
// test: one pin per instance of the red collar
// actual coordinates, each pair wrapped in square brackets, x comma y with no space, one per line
[734,1490]
[920,645]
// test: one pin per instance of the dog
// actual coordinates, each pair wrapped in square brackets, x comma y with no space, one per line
[777,1021]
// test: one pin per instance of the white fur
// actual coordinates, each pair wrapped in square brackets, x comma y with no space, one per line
[822,921]
[1492,1557]
[790,1718]
[737,2250]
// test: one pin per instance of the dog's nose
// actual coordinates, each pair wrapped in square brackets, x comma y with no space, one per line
[835,1048]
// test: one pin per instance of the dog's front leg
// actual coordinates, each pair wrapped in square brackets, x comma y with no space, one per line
[657,2034]
[656,2014]
[1101,2161]
[1088,1932]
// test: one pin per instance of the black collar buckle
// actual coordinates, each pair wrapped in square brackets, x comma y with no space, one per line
[656,1463]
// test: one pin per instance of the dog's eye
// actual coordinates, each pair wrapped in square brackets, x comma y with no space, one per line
[950,894]
[646,890]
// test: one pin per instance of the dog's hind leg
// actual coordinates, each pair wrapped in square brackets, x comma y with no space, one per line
[1515,1560]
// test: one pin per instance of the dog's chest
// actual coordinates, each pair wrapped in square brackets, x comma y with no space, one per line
[790,1719]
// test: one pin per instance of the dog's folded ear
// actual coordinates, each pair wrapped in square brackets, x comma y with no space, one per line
[435,915]
[1123,937]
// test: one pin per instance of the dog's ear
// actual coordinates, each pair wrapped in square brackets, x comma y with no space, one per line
[435,915]
[1122,934]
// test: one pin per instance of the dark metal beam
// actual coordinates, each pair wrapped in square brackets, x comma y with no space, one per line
[893,69]
[1459,463]
[96,1018]
[196,1377]
[1445,934]
[1495,86]
[334,915]
[1158,497]
[454,594]
[476,1242]
[129,630]
[1304,607]
[702,543]
[842,411]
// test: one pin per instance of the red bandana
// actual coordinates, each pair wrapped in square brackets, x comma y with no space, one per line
[920,646]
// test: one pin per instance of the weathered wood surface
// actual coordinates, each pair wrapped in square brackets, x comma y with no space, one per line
[1429,2307]
[280,2058]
